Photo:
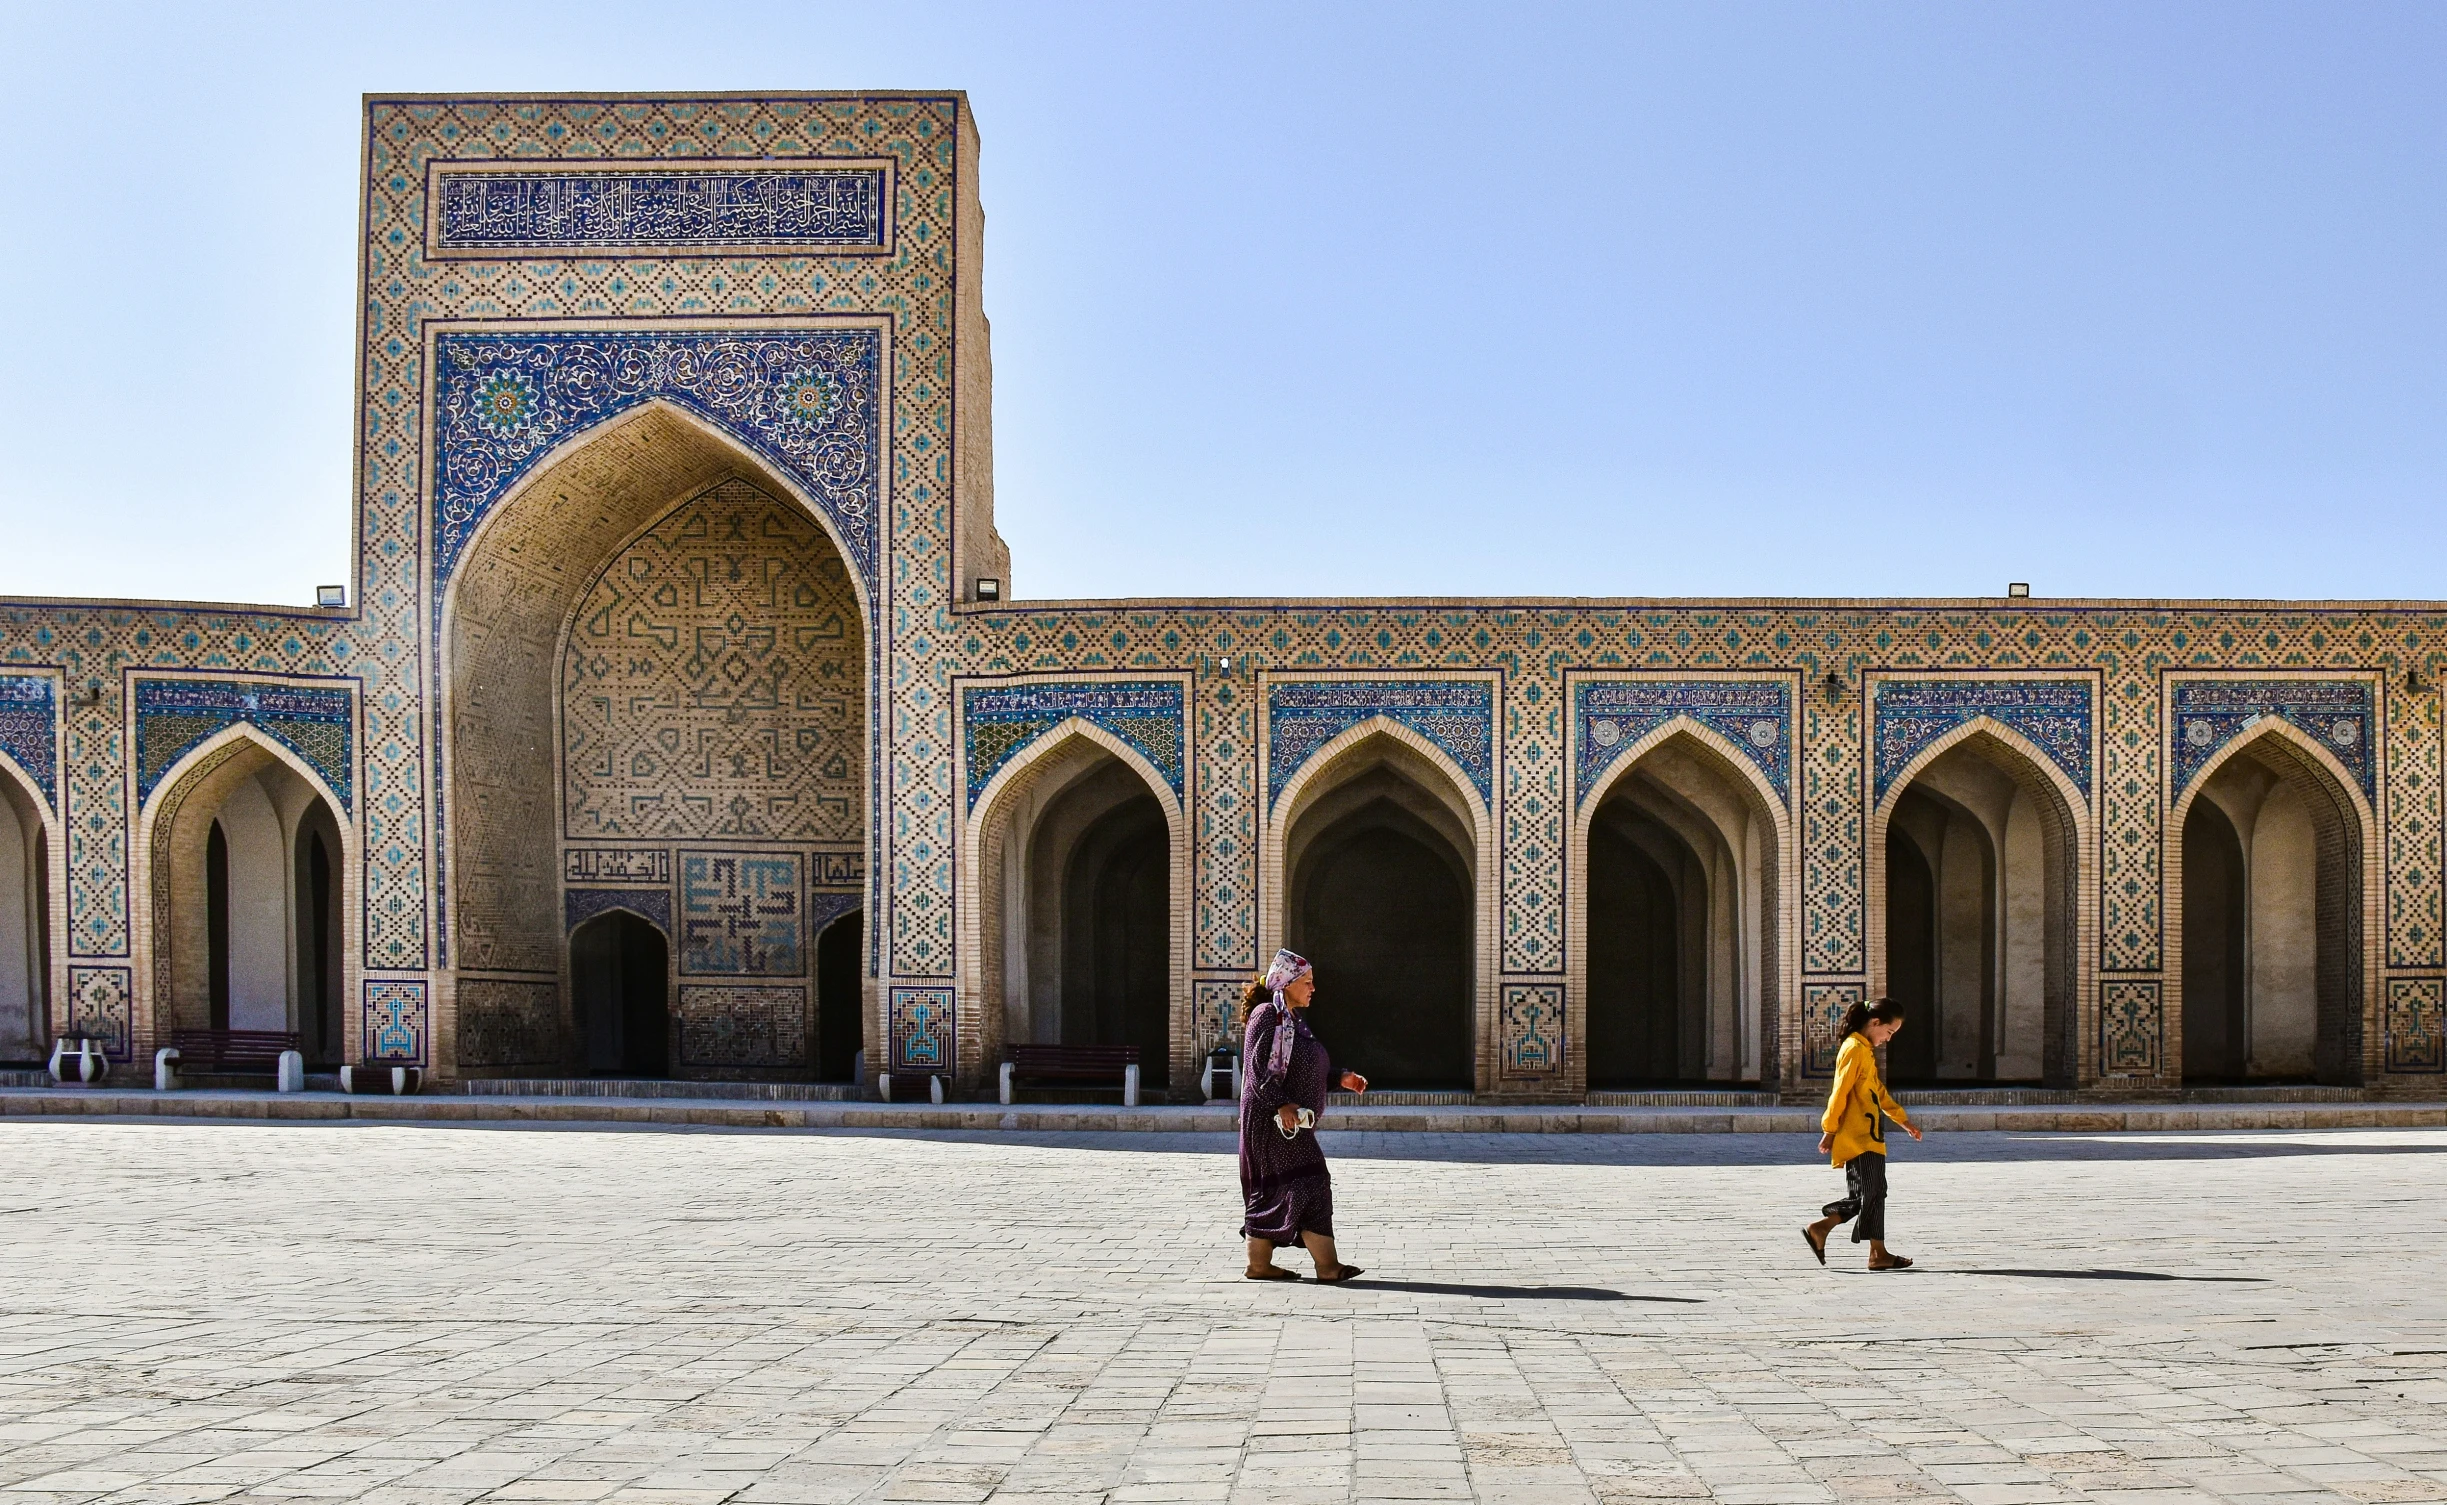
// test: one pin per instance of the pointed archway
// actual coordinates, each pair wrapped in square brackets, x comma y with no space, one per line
[1677,940]
[1073,926]
[248,868]
[654,652]
[1982,908]
[2272,866]
[1378,868]
[30,851]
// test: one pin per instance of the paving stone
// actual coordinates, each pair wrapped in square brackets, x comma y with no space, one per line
[406,1314]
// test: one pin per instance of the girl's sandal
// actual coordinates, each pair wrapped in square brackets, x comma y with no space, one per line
[1818,1246]
[1891,1262]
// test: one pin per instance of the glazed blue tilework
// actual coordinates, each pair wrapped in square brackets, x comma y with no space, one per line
[721,210]
[102,1006]
[579,905]
[1456,715]
[2417,1024]
[805,400]
[2336,713]
[922,1029]
[2131,1026]
[173,715]
[1910,714]
[1000,720]
[29,729]
[396,1022]
[1533,1029]
[1754,715]
[740,914]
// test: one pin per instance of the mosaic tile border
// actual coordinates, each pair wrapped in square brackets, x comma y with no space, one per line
[1754,715]
[398,1021]
[924,1029]
[1456,714]
[30,729]
[2416,1025]
[2206,714]
[318,723]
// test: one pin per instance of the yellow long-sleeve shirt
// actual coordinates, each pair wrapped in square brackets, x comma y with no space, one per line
[1854,1106]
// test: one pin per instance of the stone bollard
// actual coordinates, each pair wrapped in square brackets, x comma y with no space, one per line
[292,1076]
[80,1056]
[165,1069]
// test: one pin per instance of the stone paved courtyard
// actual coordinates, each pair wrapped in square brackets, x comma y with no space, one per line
[428,1315]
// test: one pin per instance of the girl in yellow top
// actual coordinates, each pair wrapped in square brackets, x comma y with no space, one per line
[1855,1133]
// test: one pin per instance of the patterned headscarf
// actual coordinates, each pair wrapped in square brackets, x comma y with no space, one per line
[1287,968]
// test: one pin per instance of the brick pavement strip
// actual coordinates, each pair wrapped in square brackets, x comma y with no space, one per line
[431,1314]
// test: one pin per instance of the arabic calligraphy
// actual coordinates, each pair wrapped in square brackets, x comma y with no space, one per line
[714,209]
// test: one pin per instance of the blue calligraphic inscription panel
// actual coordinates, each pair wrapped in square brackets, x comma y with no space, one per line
[712,208]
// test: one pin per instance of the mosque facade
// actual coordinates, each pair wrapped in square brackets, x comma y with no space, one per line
[683,722]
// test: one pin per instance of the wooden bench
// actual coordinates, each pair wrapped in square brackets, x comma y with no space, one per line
[1105,1065]
[223,1052]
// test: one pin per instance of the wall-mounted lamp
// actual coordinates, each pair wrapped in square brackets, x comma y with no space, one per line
[91,695]
[2018,589]
[1833,684]
[331,595]
[989,588]
[2413,682]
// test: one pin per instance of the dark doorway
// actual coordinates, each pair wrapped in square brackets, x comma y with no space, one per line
[318,948]
[1381,905]
[841,1015]
[2214,1043]
[1911,958]
[1635,965]
[1117,936]
[216,925]
[619,969]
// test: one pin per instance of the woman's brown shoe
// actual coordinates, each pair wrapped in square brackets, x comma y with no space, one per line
[1817,1241]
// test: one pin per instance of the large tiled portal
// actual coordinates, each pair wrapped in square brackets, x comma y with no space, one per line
[432,1315]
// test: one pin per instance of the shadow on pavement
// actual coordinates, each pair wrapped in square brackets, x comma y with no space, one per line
[1511,1293]
[2112,1275]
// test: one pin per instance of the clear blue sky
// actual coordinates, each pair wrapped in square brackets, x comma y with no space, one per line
[2129,299]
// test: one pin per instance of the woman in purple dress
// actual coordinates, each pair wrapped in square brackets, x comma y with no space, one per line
[1288,1196]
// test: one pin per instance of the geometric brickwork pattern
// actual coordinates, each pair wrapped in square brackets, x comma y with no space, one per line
[1911,714]
[922,1028]
[508,1023]
[714,683]
[2335,713]
[2131,1027]
[1533,1029]
[2417,1024]
[29,730]
[102,1006]
[1822,1013]
[730,1024]
[1000,720]
[1756,716]
[396,1024]
[740,914]
[172,716]
[707,206]
[1303,716]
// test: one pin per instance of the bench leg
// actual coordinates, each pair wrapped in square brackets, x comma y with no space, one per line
[934,1090]
[165,1069]
[883,1084]
[1006,1081]
[1130,1086]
